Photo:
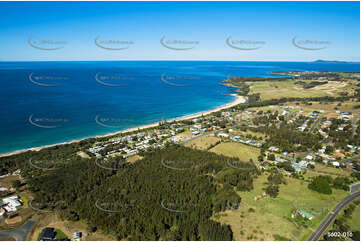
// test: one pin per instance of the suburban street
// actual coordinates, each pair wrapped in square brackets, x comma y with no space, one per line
[327,221]
[315,124]
[354,121]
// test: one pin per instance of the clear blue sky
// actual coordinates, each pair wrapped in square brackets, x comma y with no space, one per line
[210,23]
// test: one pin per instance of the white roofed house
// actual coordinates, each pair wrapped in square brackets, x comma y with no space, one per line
[12,203]
[309,157]
[224,135]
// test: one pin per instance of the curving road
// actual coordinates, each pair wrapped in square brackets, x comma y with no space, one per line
[21,233]
[327,221]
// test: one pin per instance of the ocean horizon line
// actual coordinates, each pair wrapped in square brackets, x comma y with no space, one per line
[149,60]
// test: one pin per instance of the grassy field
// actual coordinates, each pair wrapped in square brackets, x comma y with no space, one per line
[331,170]
[355,221]
[233,149]
[329,108]
[82,154]
[203,142]
[269,217]
[324,170]
[279,89]
[7,181]
[186,134]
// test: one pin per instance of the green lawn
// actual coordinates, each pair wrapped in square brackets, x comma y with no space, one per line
[60,234]
[355,221]
[271,215]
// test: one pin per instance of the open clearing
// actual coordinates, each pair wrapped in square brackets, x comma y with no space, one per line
[134,158]
[233,149]
[271,215]
[203,142]
[329,107]
[279,89]
[67,227]
[331,170]
[14,220]
[82,154]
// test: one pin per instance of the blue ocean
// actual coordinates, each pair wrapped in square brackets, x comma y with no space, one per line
[45,103]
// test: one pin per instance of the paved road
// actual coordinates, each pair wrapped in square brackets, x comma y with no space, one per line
[21,233]
[315,124]
[327,221]
[354,120]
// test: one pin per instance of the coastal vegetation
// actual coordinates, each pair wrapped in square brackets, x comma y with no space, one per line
[146,200]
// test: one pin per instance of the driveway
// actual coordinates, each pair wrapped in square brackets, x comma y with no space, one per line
[22,232]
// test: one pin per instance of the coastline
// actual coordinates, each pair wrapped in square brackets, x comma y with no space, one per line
[238,100]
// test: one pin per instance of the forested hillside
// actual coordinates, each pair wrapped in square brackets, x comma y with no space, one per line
[168,195]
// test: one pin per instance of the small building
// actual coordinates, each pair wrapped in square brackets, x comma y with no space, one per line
[77,236]
[279,159]
[223,135]
[272,148]
[309,157]
[47,234]
[12,203]
[305,214]
[349,166]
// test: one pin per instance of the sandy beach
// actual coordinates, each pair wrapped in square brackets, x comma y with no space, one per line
[238,100]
